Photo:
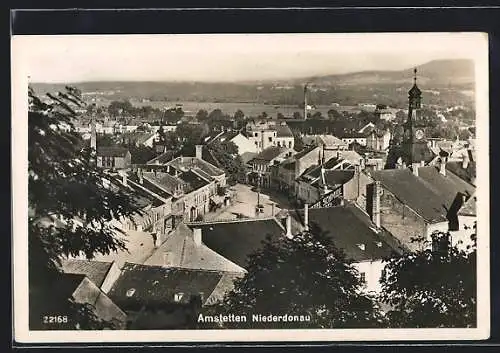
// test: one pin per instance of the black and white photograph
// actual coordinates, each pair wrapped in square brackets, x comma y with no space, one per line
[308,187]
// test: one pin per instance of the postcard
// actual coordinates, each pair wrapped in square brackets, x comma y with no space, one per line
[250,187]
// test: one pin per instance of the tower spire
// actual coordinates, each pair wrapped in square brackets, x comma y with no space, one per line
[415,76]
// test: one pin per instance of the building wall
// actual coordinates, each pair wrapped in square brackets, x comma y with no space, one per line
[351,188]
[288,142]
[402,222]
[307,193]
[244,144]
[373,272]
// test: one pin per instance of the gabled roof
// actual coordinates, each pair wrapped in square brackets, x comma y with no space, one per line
[156,285]
[96,271]
[112,151]
[350,228]
[270,153]
[236,240]
[187,254]
[149,185]
[414,192]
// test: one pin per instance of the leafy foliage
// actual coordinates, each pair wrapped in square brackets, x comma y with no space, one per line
[306,275]
[226,153]
[64,186]
[435,287]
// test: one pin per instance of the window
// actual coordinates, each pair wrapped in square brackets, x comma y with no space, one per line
[178,297]
[362,277]
[270,139]
[256,134]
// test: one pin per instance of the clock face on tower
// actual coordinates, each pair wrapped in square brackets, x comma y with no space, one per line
[419,134]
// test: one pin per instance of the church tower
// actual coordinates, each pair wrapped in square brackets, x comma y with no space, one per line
[414,140]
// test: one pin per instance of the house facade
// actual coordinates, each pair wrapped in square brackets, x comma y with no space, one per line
[113,158]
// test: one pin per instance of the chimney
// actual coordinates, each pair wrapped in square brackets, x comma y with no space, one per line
[306,216]
[442,166]
[376,204]
[124,179]
[465,162]
[272,209]
[197,236]
[141,180]
[93,135]
[199,150]
[289,227]
[414,168]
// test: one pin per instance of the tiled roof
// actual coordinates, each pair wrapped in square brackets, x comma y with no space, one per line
[247,156]
[163,158]
[447,186]
[270,153]
[338,177]
[150,186]
[350,229]
[112,151]
[140,246]
[283,131]
[193,181]
[96,271]
[191,162]
[236,240]
[165,180]
[187,254]
[305,151]
[413,192]
[468,174]
[156,285]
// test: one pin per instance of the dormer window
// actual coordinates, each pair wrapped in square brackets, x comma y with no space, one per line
[130,292]
[178,297]
[362,246]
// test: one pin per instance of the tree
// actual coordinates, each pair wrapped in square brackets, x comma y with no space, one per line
[116,108]
[298,144]
[239,115]
[434,287]
[202,115]
[226,153]
[280,115]
[297,115]
[334,115]
[64,183]
[306,275]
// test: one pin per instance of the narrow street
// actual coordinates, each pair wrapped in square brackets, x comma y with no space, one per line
[245,201]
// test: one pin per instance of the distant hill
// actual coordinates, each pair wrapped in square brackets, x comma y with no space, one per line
[434,74]
[451,82]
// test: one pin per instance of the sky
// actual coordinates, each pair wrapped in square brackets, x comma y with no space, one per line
[229,58]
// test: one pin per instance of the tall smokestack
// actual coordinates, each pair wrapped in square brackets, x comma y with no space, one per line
[376,204]
[289,226]
[306,216]
[199,151]
[305,101]
[93,135]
